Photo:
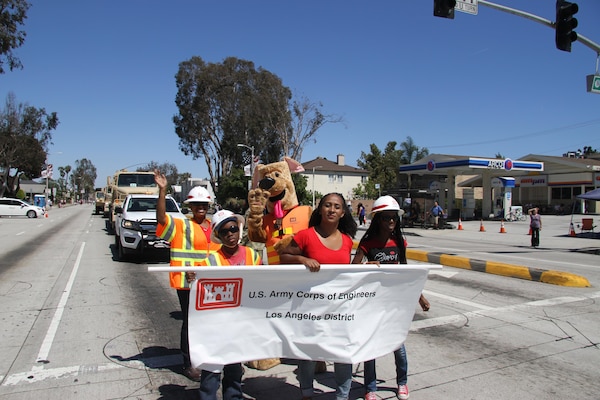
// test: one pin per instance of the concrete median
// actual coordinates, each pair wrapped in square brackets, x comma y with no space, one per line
[498,268]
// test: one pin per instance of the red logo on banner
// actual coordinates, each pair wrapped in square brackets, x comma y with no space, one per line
[219,293]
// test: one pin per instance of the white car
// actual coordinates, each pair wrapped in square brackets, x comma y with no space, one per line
[16,207]
[135,224]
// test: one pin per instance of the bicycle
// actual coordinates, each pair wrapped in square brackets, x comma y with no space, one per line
[516,216]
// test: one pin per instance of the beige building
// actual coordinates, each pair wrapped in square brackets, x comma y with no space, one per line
[325,176]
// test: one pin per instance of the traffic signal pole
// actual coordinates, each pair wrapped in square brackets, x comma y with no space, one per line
[580,38]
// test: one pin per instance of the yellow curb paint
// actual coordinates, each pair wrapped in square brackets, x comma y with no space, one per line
[417,255]
[455,261]
[517,271]
[564,279]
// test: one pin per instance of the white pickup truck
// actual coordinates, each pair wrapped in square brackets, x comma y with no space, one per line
[135,227]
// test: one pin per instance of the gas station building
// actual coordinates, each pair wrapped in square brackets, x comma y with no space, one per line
[458,183]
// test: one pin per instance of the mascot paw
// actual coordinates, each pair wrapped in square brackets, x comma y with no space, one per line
[257,200]
[283,243]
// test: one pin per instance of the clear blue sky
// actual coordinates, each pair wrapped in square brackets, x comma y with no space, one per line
[475,85]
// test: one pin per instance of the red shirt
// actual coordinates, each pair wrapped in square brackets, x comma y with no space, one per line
[311,246]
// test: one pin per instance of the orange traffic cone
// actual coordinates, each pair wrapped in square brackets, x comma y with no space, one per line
[572,230]
[481,228]
[460,227]
[529,231]
[502,229]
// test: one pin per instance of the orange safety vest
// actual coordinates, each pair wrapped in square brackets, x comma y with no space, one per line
[294,221]
[190,246]
[219,259]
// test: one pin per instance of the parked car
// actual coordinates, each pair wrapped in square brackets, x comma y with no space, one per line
[15,207]
[135,224]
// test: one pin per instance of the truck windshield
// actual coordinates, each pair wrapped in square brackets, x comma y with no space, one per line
[136,180]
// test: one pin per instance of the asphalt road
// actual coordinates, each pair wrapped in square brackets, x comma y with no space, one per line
[77,324]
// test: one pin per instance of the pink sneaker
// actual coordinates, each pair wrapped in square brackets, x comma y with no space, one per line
[403,392]
[370,396]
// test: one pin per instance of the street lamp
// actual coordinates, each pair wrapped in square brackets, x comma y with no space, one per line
[313,184]
[251,148]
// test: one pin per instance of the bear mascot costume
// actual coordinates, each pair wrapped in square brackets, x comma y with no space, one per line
[274,191]
[273,219]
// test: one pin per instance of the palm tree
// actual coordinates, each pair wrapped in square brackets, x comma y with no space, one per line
[411,153]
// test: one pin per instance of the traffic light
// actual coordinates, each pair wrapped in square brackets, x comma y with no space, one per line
[444,8]
[564,25]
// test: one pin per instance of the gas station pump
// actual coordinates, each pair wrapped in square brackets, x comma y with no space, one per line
[503,200]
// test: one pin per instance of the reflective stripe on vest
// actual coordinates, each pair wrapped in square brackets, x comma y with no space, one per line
[294,221]
[184,234]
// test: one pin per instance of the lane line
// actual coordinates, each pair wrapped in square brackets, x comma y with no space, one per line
[49,339]
[457,300]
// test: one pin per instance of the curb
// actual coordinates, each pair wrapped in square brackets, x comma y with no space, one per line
[497,268]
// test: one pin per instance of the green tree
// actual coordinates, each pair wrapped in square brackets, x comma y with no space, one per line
[25,133]
[233,187]
[382,167]
[221,105]
[588,151]
[13,13]
[169,169]
[411,152]
[84,176]
[300,182]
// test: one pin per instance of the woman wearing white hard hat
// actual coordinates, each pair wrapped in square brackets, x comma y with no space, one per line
[183,253]
[384,241]
[226,227]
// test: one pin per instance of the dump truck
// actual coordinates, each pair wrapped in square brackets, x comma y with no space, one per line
[124,183]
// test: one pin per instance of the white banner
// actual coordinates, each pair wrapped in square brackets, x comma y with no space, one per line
[343,313]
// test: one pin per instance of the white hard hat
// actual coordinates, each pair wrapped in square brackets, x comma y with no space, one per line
[198,194]
[219,219]
[386,203]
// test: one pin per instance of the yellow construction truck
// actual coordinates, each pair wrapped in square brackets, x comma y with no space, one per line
[99,198]
[124,183]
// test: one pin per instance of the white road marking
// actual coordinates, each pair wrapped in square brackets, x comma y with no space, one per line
[457,300]
[431,322]
[445,274]
[47,343]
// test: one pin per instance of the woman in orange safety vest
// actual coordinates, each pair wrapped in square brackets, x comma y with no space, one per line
[226,227]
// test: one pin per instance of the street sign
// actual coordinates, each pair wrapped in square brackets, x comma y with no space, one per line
[466,6]
[593,83]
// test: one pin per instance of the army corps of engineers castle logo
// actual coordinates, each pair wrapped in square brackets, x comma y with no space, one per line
[219,293]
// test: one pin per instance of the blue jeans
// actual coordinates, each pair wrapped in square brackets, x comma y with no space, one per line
[401,370]
[232,383]
[342,373]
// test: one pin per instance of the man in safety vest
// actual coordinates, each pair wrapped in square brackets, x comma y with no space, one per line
[191,244]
